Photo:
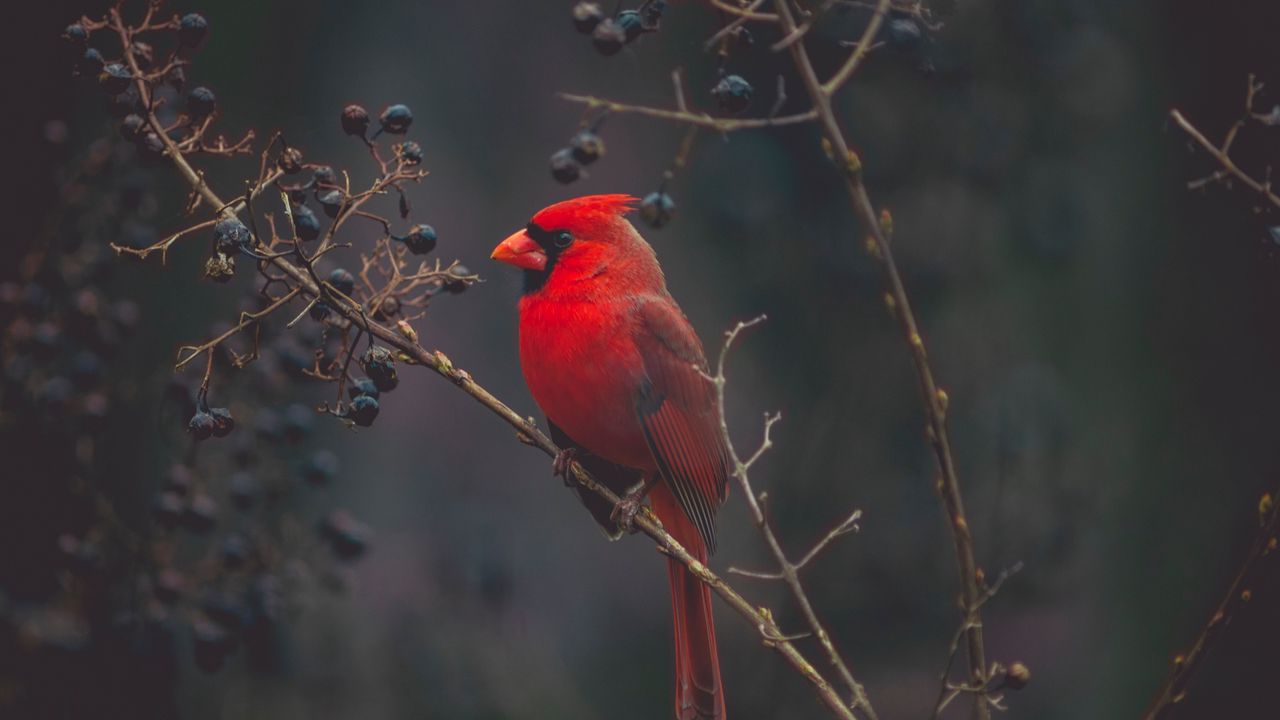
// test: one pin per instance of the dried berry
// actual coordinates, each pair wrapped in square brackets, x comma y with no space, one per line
[732,94]
[904,35]
[201,425]
[320,468]
[586,16]
[242,488]
[587,147]
[657,209]
[131,126]
[192,29]
[290,160]
[388,308]
[395,119]
[223,423]
[355,120]
[115,78]
[362,386]
[347,537]
[411,152]
[201,102]
[608,37]
[150,146]
[343,281]
[458,284]
[176,78]
[92,61]
[231,236]
[324,175]
[220,268]
[421,239]
[201,514]
[76,35]
[380,367]
[330,202]
[305,223]
[168,509]
[652,13]
[564,168]
[363,410]
[632,24]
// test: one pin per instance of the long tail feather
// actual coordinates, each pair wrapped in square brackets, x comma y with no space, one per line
[698,691]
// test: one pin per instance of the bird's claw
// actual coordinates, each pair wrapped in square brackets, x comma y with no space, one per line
[562,462]
[624,513]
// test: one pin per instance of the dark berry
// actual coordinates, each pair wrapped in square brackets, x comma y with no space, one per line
[362,386]
[168,586]
[235,550]
[320,468]
[115,78]
[318,311]
[131,126]
[631,23]
[324,175]
[299,420]
[168,509]
[904,35]
[290,160]
[586,16]
[242,488]
[348,537]
[200,514]
[150,146]
[411,152]
[192,29]
[732,93]
[176,78]
[657,209]
[201,425]
[587,147]
[92,61]
[564,168]
[231,236]
[330,202]
[210,644]
[421,239]
[396,119]
[380,367]
[201,102]
[355,120]
[143,54]
[179,480]
[342,281]
[388,308]
[652,12]
[223,423]
[305,223]
[458,284]
[76,35]
[608,37]
[363,410]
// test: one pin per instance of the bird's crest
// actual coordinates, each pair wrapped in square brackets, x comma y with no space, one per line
[571,213]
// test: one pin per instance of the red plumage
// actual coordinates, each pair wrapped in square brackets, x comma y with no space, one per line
[615,365]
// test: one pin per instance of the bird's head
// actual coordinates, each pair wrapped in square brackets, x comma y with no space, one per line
[577,240]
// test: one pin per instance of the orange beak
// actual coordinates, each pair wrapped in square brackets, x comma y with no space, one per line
[520,250]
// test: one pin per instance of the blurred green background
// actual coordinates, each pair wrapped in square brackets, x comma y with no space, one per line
[1106,338]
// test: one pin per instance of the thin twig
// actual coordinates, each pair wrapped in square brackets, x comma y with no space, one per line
[1174,688]
[935,411]
[689,118]
[787,570]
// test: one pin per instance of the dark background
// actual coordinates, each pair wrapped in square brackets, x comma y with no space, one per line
[1106,338]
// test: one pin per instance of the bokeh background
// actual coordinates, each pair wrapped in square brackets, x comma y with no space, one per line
[1106,337]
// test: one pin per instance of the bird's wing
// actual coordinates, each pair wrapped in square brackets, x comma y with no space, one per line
[678,410]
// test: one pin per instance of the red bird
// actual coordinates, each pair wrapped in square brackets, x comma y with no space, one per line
[613,362]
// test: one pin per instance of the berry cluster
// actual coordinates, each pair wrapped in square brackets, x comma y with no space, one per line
[219,553]
[610,34]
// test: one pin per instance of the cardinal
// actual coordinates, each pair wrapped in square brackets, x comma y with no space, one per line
[620,374]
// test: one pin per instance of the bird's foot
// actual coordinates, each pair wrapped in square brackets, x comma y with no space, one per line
[624,513]
[562,462]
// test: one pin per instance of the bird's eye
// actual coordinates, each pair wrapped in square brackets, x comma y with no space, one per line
[563,238]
